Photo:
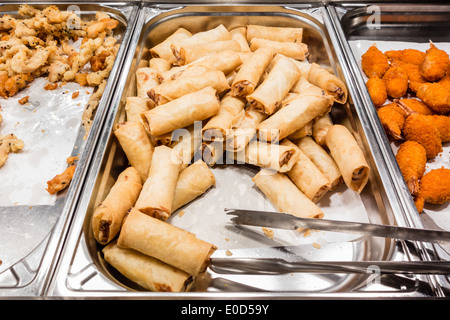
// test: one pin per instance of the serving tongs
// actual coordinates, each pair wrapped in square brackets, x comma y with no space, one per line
[286,221]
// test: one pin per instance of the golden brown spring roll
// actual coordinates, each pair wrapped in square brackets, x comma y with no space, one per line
[320,128]
[108,216]
[297,51]
[219,33]
[275,156]
[183,111]
[225,61]
[240,35]
[306,176]
[134,106]
[349,157]
[136,144]
[158,190]
[146,79]
[191,71]
[148,272]
[217,127]
[160,65]
[212,151]
[173,89]
[193,181]
[302,132]
[268,95]
[191,53]
[250,72]
[297,113]
[322,160]
[274,33]
[165,242]
[163,49]
[285,195]
[185,143]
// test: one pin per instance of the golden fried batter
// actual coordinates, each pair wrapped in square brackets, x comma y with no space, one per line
[374,62]
[412,159]
[377,90]
[9,143]
[396,79]
[435,96]
[418,128]
[434,188]
[61,181]
[392,118]
[435,64]
[411,105]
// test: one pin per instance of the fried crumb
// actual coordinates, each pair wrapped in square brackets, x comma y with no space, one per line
[71,160]
[182,212]
[228,253]
[75,94]
[316,245]
[268,232]
[24,100]
[51,86]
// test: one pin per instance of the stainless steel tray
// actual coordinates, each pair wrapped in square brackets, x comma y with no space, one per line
[82,271]
[31,236]
[416,23]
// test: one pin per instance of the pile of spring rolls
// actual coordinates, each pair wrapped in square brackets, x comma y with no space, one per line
[247,92]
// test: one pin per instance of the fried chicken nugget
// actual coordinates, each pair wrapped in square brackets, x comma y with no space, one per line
[435,96]
[418,128]
[374,62]
[377,90]
[435,64]
[434,187]
[412,159]
[411,105]
[392,118]
[396,79]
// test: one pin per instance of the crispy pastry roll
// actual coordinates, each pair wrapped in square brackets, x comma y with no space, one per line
[148,272]
[320,128]
[185,143]
[297,113]
[146,79]
[268,95]
[240,35]
[250,72]
[230,110]
[134,106]
[163,49]
[244,130]
[191,53]
[212,151]
[136,144]
[322,160]
[306,176]
[302,132]
[183,111]
[220,33]
[297,51]
[173,89]
[193,181]
[160,65]
[349,157]
[275,156]
[275,33]
[157,192]
[165,242]
[108,216]
[285,195]
[225,61]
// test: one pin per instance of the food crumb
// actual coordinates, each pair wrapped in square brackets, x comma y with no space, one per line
[228,253]
[51,86]
[316,245]
[182,212]
[24,100]
[75,94]
[268,232]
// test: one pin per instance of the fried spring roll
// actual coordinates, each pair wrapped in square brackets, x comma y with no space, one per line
[134,106]
[136,144]
[191,53]
[193,181]
[240,35]
[225,61]
[349,157]
[173,89]
[320,128]
[285,195]
[183,111]
[158,190]
[302,132]
[212,151]
[274,33]
[321,159]
[185,143]
[108,216]
[268,95]
[160,65]
[250,72]
[306,176]
[146,79]
[163,49]
[297,51]
[148,272]
[165,242]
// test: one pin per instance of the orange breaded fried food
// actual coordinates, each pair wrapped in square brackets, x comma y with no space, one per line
[411,105]
[412,159]
[377,90]
[61,181]
[434,187]
[412,56]
[435,96]
[392,118]
[374,62]
[396,80]
[442,124]
[418,128]
[435,63]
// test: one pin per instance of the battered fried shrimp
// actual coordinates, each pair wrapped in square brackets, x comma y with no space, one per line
[445,81]
[9,143]
[377,90]
[410,56]
[61,181]
[435,96]
[411,105]
[415,78]
[393,55]
[418,128]
[374,62]
[412,159]
[396,80]
[392,118]
[435,63]
[442,124]
[434,187]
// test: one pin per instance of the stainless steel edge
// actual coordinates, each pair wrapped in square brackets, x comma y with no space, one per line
[406,212]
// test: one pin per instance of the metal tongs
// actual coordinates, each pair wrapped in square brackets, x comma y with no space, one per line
[290,222]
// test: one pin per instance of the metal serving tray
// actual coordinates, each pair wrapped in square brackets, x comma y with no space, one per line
[82,271]
[396,24]
[31,236]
